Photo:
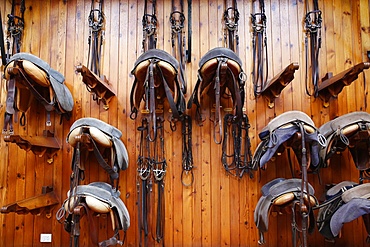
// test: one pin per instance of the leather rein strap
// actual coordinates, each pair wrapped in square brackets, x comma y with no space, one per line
[241,158]
[313,22]
[151,166]
[177,20]
[259,43]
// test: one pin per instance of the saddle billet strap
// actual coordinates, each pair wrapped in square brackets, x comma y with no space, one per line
[176,108]
[112,171]
[151,99]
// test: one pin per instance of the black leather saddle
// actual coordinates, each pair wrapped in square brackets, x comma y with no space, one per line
[345,202]
[156,79]
[220,74]
[28,78]
[350,131]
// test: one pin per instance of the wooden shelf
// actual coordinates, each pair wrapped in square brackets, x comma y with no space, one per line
[46,144]
[274,87]
[102,89]
[34,205]
[331,85]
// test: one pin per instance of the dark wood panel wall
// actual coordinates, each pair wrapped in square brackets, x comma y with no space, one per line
[217,209]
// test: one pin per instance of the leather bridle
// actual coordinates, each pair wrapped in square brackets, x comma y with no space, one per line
[313,21]
[259,44]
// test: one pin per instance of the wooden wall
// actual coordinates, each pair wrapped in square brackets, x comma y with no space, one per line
[217,209]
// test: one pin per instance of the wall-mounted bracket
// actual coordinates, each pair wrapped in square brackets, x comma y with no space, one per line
[39,145]
[331,85]
[102,89]
[274,87]
[34,205]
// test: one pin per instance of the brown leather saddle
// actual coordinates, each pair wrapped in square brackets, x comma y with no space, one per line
[156,79]
[28,78]
[220,75]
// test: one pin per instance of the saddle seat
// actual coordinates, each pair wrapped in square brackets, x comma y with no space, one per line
[351,131]
[281,192]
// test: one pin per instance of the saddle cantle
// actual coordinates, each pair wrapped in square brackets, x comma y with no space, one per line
[280,130]
[101,136]
[101,198]
[344,203]
[220,72]
[281,192]
[351,130]
[30,77]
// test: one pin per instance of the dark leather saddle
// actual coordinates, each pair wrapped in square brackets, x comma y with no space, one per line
[280,193]
[29,77]
[345,202]
[156,78]
[100,198]
[220,74]
[103,140]
[350,131]
[284,131]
